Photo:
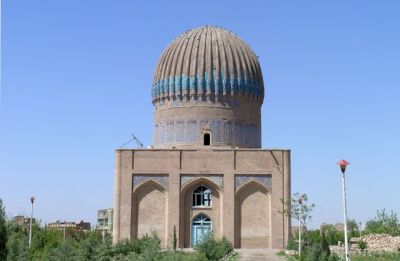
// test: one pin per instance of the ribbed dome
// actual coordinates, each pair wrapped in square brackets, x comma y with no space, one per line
[208,63]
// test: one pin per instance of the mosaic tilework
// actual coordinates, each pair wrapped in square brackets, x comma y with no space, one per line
[265,180]
[170,132]
[228,135]
[160,179]
[239,134]
[216,179]
[215,127]
[191,131]
[172,86]
[180,131]
[222,133]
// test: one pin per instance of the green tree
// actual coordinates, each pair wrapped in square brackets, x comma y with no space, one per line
[352,228]
[332,234]
[67,251]
[301,212]
[384,223]
[3,232]
[17,244]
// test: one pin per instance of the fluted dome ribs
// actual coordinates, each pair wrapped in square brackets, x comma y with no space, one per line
[208,63]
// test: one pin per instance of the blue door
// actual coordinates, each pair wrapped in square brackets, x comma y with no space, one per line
[201,226]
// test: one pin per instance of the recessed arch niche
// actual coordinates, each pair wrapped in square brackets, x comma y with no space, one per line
[149,201]
[252,216]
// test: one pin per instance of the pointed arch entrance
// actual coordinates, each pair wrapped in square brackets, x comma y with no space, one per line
[200,202]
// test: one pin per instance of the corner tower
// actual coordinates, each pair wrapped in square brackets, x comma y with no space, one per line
[207,90]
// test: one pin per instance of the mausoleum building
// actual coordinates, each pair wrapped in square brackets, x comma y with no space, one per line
[206,171]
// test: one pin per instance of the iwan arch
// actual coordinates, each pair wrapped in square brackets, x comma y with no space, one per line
[206,170]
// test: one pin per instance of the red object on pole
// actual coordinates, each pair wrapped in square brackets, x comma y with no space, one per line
[300,200]
[343,165]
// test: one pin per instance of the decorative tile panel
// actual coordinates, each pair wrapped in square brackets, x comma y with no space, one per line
[216,131]
[161,132]
[160,179]
[170,132]
[265,180]
[239,134]
[173,86]
[180,131]
[228,135]
[188,131]
[216,179]
[191,131]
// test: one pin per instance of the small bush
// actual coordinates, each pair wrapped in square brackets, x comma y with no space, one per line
[317,252]
[292,244]
[316,247]
[332,234]
[214,249]
[362,245]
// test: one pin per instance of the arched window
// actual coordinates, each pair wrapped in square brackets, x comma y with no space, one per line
[207,139]
[201,219]
[201,197]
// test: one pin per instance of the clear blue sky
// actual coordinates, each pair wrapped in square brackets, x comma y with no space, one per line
[76,81]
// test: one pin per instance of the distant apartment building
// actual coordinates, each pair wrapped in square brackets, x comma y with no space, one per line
[105,220]
[22,220]
[80,225]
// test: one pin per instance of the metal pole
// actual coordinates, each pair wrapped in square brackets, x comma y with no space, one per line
[103,233]
[65,224]
[30,224]
[300,231]
[346,247]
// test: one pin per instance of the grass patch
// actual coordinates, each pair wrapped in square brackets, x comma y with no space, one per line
[289,258]
[281,253]
[234,258]
[377,257]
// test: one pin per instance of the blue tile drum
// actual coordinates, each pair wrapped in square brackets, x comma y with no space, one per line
[222,133]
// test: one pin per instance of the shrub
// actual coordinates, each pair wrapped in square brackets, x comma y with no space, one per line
[66,251]
[292,244]
[147,246]
[124,248]
[362,245]
[316,247]
[214,249]
[3,232]
[312,237]
[317,252]
[332,234]
[174,239]
[325,245]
